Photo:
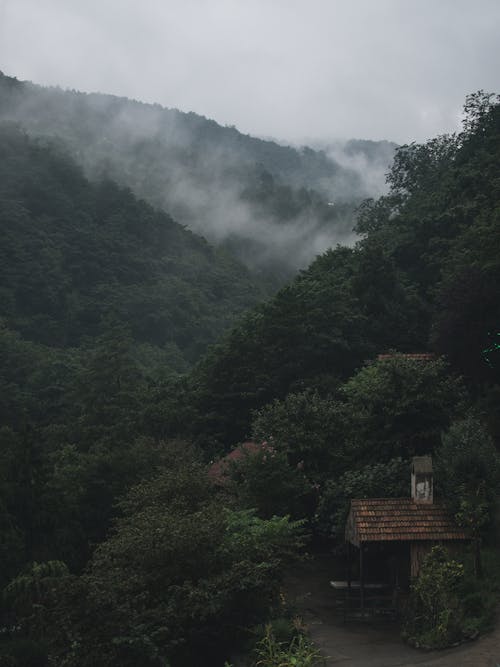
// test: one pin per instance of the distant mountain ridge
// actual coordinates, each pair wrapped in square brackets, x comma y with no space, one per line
[274,206]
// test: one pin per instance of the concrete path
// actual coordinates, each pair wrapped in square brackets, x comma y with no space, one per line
[365,644]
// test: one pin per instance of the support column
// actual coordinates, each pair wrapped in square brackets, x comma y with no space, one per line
[361,577]
[347,600]
[349,574]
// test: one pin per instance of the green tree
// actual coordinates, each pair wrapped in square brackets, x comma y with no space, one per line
[308,428]
[310,335]
[398,406]
[378,480]
[468,476]
[177,579]
[265,480]
[435,613]
[466,322]
[31,593]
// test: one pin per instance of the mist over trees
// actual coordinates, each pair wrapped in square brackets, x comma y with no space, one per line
[274,207]
[78,256]
[422,269]
[113,401]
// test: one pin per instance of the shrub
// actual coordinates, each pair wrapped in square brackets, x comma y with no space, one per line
[300,652]
[22,652]
[448,603]
[177,580]
[265,480]
[385,480]
[435,612]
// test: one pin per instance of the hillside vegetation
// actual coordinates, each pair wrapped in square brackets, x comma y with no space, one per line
[275,207]
[424,277]
[117,548]
[76,255]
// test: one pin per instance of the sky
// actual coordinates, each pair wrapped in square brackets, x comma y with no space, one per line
[296,70]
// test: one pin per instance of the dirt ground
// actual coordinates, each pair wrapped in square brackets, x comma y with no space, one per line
[371,644]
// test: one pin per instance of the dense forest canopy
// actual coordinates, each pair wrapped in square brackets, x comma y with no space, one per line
[275,207]
[424,276]
[76,254]
[111,405]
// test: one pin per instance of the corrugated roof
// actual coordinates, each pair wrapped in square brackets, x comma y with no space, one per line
[388,519]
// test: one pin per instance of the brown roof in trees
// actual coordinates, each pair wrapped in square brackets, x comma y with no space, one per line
[221,469]
[389,519]
[419,356]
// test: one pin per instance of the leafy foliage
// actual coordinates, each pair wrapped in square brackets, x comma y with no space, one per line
[29,594]
[448,604]
[265,480]
[378,480]
[310,335]
[399,406]
[423,276]
[76,253]
[308,429]
[267,203]
[177,579]
[436,611]
[106,302]
[300,652]
[468,473]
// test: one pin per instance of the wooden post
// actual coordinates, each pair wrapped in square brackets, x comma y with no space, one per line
[349,576]
[347,601]
[361,577]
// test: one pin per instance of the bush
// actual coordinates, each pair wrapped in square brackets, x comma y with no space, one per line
[281,627]
[22,652]
[380,480]
[480,597]
[448,603]
[264,480]
[435,612]
[299,652]
[177,580]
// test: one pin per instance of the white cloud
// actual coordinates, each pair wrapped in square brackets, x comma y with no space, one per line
[396,69]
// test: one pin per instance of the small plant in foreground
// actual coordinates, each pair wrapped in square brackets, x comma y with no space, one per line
[300,652]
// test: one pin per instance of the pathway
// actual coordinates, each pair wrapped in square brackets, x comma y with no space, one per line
[362,644]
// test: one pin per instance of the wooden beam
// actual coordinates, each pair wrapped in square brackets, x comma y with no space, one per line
[361,577]
[347,599]
[349,575]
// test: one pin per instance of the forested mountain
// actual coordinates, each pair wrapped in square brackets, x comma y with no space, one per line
[77,255]
[103,298]
[116,545]
[424,276]
[369,159]
[274,206]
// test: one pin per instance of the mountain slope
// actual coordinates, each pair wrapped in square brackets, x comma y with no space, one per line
[276,207]
[425,275]
[75,254]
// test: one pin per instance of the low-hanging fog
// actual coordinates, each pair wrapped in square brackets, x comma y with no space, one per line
[275,207]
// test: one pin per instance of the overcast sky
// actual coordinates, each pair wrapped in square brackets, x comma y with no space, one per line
[291,69]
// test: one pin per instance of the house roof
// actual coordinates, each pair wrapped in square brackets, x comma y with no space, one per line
[391,519]
[418,356]
[220,471]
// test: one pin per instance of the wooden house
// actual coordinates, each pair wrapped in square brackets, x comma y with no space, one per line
[393,535]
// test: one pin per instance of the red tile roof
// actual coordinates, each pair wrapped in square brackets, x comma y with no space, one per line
[419,356]
[221,469]
[389,519]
